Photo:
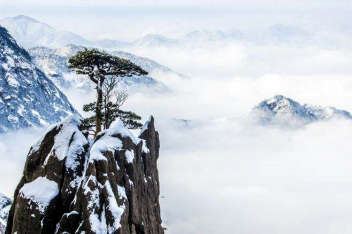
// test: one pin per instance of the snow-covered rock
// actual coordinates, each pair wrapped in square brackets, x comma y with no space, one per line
[27,97]
[5,205]
[52,173]
[284,111]
[72,186]
[120,189]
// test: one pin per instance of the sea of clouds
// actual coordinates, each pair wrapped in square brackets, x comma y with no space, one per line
[225,174]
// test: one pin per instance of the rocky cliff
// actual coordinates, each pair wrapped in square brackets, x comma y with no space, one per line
[72,185]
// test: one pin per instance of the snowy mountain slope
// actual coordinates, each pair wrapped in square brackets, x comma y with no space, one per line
[281,110]
[5,205]
[152,40]
[30,32]
[147,64]
[53,62]
[27,97]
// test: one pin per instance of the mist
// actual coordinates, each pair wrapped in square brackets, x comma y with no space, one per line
[226,174]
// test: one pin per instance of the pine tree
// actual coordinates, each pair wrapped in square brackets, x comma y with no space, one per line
[111,111]
[98,65]
[129,119]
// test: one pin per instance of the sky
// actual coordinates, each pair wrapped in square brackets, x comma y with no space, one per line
[225,174]
[174,18]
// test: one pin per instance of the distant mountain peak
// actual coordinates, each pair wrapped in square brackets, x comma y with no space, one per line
[8,41]
[281,110]
[279,103]
[154,40]
[278,98]
[30,32]
[24,17]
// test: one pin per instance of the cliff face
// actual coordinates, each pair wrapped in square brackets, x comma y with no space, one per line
[71,186]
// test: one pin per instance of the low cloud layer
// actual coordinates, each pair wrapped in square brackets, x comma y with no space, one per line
[227,175]
[234,178]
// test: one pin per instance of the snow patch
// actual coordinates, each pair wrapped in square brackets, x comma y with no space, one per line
[62,148]
[122,191]
[145,148]
[117,127]
[114,208]
[145,125]
[41,191]
[129,156]
[105,143]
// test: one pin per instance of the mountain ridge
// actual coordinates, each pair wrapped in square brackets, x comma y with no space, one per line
[27,97]
[281,110]
[31,33]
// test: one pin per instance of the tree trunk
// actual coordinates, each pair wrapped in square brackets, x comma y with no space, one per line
[105,111]
[107,117]
[98,107]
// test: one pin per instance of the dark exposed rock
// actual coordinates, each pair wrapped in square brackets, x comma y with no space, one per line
[110,187]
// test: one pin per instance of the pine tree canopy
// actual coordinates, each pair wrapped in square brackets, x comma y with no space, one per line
[129,119]
[94,62]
